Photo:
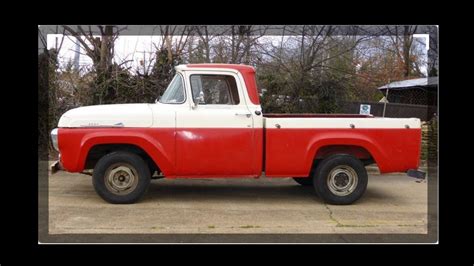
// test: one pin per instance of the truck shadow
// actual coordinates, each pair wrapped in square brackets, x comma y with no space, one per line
[228,192]
[207,190]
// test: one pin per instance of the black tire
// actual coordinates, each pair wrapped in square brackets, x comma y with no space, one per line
[112,168]
[304,181]
[334,173]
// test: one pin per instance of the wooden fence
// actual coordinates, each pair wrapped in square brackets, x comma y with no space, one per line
[397,110]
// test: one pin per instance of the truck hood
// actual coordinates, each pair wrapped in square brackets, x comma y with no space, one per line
[109,115]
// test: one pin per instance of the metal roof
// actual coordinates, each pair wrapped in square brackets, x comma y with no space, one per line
[410,83]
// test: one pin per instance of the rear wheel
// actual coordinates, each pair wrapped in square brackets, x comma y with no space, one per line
[340,179]
[121,177]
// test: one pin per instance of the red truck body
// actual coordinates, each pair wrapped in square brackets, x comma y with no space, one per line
[247,152]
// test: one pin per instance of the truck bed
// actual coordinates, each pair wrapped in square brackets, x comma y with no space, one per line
[292,141]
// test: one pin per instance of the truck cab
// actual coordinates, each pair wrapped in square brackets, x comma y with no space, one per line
[219,121]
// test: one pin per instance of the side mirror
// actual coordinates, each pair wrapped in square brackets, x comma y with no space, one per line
[157,99]
[198,100]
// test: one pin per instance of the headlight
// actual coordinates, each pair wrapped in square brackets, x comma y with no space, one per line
[54,139]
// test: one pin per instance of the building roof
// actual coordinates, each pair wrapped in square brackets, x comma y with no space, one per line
[411,83]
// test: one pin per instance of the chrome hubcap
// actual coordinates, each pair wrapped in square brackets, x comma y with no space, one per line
[342,180]
[121,179]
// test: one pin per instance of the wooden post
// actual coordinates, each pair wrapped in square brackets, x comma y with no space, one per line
[386,99]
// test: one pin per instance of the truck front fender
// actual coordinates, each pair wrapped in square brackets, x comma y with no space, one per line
[75,144]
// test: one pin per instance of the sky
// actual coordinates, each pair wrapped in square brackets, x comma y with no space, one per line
[139,48]
[128,47]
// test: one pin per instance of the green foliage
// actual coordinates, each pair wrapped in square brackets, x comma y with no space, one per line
[322,89]
[47,99]
[199,54]
[163,71]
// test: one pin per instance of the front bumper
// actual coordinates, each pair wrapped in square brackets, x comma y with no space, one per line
[54,139]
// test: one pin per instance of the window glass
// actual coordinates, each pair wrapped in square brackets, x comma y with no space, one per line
[214,89]
[175,91]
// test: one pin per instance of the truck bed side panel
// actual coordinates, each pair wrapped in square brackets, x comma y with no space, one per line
[291,149]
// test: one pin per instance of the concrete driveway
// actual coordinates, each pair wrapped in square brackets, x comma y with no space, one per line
[394,204]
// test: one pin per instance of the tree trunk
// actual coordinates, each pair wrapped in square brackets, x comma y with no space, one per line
[232,58]
[206,46]
[169,48]
[406,51]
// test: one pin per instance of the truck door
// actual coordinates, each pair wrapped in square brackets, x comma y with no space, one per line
[214,137]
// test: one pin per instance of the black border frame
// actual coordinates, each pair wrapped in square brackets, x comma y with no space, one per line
[433,189]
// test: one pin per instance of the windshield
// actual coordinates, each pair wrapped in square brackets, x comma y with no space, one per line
[175,91]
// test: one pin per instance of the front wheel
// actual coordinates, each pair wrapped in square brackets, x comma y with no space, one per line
[340,179]
[121,177]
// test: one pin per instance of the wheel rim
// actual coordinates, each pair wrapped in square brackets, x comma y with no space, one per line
[121,178]
[342,180]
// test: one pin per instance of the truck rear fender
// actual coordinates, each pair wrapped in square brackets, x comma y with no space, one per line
[345,139]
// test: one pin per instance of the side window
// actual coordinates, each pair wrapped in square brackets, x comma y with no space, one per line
[214,89]
[175,91]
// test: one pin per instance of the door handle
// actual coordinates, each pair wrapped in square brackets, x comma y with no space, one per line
[244,114]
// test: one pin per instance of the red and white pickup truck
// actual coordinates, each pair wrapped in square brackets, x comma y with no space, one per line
[209,123]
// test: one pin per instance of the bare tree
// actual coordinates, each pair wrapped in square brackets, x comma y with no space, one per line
[99,49]
[99,46]
[174,39]
[402,41]
[242,39]
[433,51]
[205,40]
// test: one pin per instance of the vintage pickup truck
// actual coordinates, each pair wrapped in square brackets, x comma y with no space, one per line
[209,124]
